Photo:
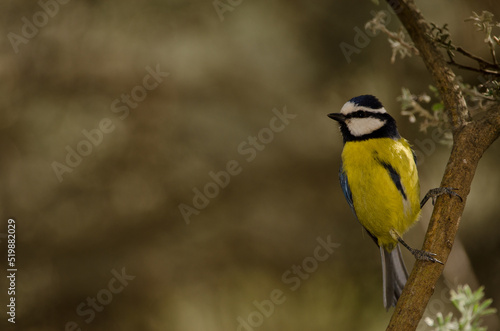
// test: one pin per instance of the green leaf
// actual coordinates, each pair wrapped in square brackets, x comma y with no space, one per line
[438,106]
[434,90]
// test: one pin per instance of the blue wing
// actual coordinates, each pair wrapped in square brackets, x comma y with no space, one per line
[348,196]
[345,187]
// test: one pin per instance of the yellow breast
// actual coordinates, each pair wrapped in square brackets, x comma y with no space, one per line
[372,167]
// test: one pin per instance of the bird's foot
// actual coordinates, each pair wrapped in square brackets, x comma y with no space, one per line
[436,192]
[424,256]
[419,254]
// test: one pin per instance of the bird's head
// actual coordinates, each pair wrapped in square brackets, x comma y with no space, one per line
[363,118]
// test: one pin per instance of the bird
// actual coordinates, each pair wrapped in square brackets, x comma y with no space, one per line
[379,178]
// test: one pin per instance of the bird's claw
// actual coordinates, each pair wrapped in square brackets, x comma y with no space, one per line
[436,192]
[425,256]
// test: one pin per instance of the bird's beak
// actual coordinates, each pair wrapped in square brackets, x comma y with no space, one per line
[337,117]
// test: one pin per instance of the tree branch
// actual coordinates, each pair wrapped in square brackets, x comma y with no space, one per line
[480,61]
[481,71]
[471,138]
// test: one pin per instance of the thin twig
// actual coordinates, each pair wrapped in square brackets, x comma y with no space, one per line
[395,36]
[480,61]
[492,51]
[483,71]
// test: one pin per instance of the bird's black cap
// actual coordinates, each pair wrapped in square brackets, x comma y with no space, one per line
[368,101]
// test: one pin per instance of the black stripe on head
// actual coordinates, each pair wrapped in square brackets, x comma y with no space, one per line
[367,113]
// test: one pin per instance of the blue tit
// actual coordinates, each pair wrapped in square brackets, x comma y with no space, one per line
[379,178]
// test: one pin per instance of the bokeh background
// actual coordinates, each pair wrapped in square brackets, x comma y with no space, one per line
[119,207]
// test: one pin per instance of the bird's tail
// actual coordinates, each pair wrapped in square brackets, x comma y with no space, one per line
[394,274]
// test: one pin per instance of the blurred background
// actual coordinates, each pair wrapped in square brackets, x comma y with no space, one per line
[116,115]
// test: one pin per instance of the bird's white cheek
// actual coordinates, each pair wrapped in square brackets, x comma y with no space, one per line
[361,126]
